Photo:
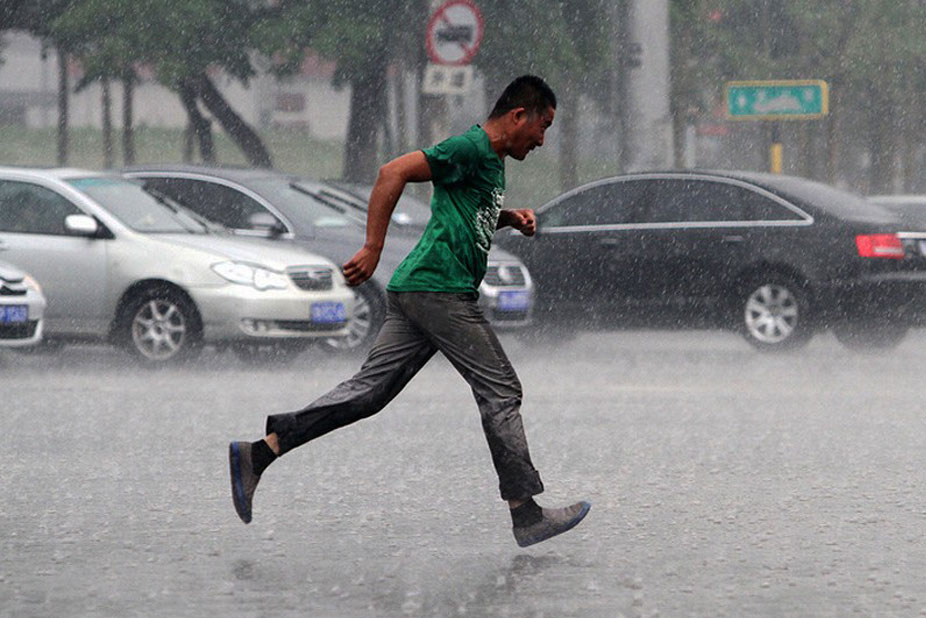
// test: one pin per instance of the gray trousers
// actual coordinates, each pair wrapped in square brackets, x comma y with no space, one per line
[417,325]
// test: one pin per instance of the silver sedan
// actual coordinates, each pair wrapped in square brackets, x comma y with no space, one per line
[22,308]
[118,265]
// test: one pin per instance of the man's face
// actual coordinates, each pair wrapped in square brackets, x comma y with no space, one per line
[528,131]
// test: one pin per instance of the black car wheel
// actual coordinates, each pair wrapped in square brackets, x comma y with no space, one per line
[774,313]
[160,325]
[867,337]
[369,314]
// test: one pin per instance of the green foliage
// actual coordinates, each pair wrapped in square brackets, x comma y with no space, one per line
[179,39]
[33,16]
[565,42]
[873,42]
[354,33]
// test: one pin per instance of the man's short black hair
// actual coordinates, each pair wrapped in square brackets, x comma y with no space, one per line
[527,91]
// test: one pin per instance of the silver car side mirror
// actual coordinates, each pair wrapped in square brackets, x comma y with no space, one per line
[81,225]
[265,222]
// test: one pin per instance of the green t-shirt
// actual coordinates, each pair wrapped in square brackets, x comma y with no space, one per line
[469,186]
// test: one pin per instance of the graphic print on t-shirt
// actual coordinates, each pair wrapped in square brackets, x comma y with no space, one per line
[487,220]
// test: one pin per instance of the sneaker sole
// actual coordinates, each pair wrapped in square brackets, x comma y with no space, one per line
[238,497]
[586,507]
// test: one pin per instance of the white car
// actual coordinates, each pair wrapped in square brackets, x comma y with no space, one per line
[117,264]
[22,308]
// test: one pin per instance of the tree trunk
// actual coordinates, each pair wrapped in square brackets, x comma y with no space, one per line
[880,177]
[569,139]
[107,104]
[128,120]
[807,134]
[679,136]
[199,128]
[401,121]
[241,133]
[682,99]
[63,97]
[832,135]
[367,104]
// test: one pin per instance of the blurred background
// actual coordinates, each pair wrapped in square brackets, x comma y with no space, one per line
[333,88]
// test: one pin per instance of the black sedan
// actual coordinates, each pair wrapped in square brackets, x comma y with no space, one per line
[777,257]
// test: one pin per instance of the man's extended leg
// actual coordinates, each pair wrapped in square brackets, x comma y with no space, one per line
[400,350]
[460,331]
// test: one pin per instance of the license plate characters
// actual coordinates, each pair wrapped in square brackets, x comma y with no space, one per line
[513,301]
[14,313]
[328,313]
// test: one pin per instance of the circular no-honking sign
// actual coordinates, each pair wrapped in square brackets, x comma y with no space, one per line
[454,32]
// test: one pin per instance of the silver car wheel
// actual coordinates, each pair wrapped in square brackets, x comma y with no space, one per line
[159,329]
[360,325]
[771,313]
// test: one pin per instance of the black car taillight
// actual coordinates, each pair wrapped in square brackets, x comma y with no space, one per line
[880,246]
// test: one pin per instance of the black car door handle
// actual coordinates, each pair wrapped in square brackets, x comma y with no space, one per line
[732,238]
[3,246]
[609,242]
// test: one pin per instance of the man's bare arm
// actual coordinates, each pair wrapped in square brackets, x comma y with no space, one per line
[391,181]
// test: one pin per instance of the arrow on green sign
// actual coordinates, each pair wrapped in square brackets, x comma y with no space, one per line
[777,100]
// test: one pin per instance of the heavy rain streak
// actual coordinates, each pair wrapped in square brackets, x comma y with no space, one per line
[703,300]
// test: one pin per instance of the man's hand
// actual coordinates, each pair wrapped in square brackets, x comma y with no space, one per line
[522,220]
[360,267]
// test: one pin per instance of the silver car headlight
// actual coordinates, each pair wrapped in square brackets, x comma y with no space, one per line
[32,284]
[257,277]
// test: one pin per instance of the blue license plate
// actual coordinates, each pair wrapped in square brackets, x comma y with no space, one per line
[328,313]
[14,313]
[513,301]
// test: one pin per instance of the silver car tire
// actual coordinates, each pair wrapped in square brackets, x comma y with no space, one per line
[161,326]
[775,314]
[369,314]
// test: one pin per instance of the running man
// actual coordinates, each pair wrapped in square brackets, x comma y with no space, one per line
[432,306]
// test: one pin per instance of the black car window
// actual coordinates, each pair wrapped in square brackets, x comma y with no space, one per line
[293,200]
[606,204]
[691,200]
[134,206]
[30,208]
[762,208]
[215,202]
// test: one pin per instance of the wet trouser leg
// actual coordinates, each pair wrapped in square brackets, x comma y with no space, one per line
[400,351]
[457,327]
[417,325]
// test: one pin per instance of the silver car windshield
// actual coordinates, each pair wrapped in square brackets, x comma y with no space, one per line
[290,199]
[135,207]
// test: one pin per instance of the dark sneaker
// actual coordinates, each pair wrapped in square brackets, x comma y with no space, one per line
[555,521]
[243,479]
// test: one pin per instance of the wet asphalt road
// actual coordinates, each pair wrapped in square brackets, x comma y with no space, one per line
[723,483]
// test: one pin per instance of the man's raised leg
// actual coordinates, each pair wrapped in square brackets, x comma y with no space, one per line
[400,351]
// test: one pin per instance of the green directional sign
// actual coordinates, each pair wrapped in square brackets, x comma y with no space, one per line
[777,100]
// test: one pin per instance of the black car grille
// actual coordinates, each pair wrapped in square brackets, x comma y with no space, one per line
[302,326]
[23,330]
[505,275]
[8,289]
[510,316]
[312,279]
